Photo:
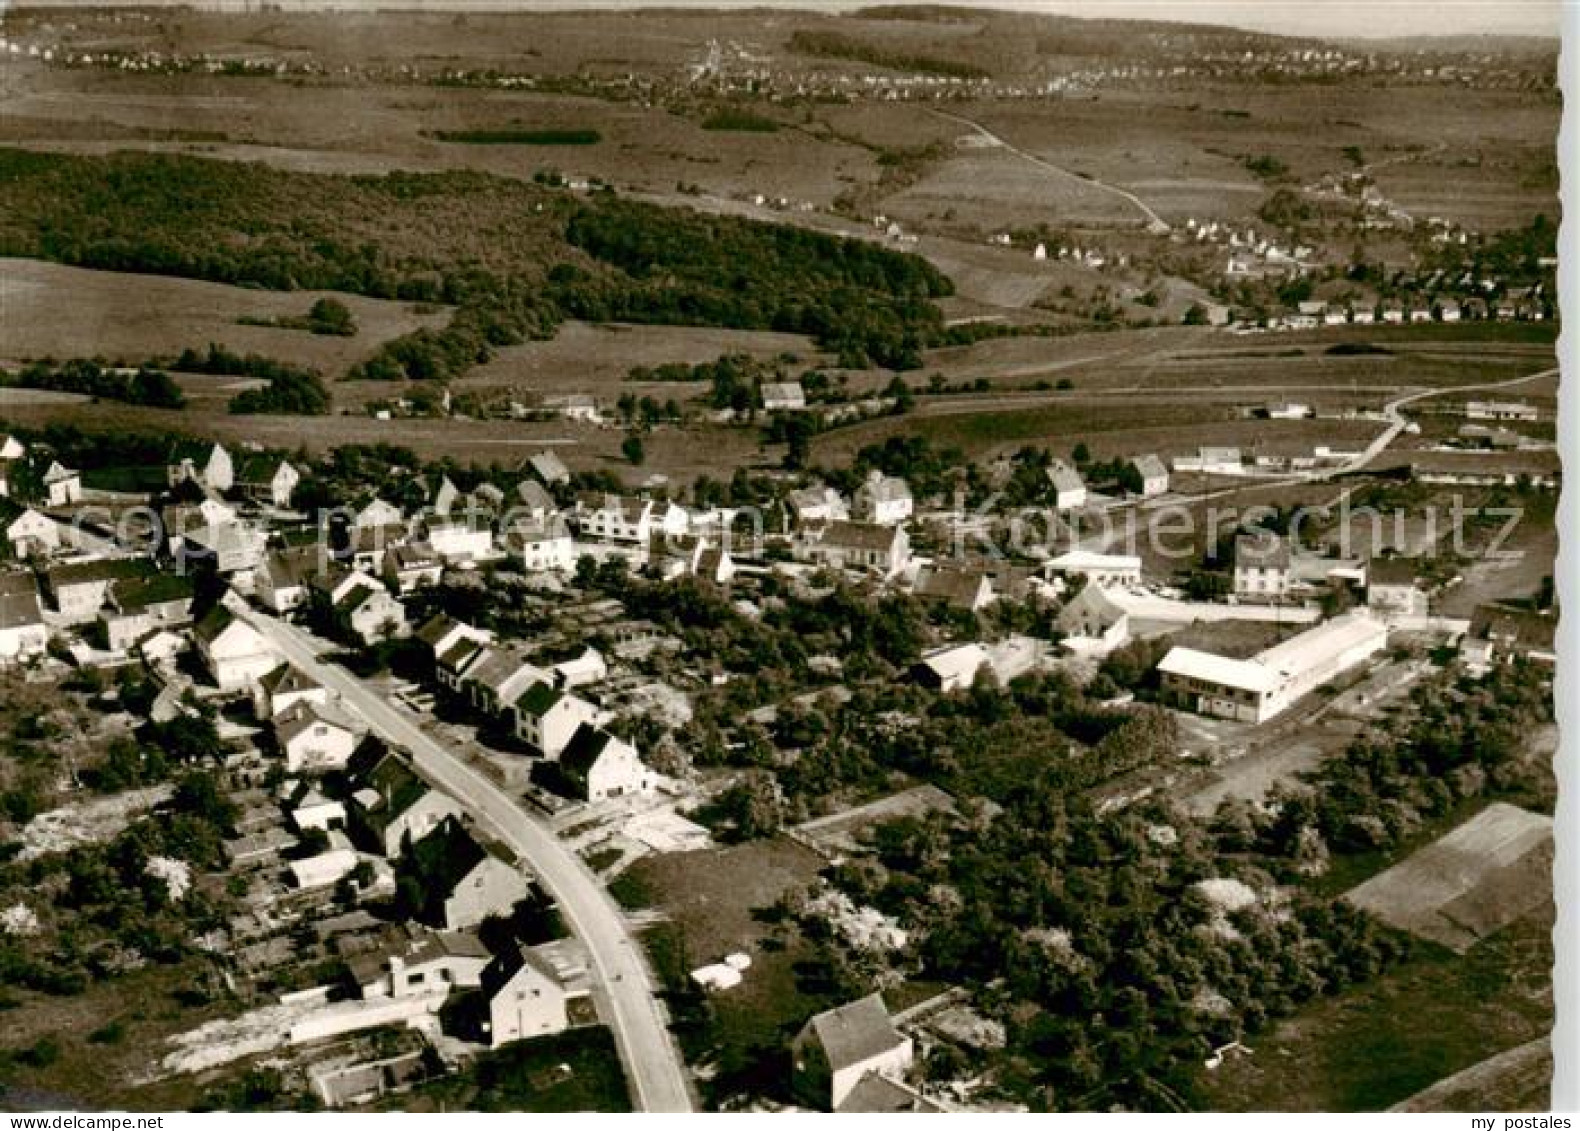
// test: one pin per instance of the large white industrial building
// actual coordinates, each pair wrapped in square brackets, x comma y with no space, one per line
[1257,689]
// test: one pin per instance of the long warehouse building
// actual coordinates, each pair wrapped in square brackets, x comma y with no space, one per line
[1267,684]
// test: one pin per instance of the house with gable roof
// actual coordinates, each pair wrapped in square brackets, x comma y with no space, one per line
[267,479]
[529,990]
[392,807]
[236,654]
[463,882]
[548,717]
[315,737]
[62,485]
[838,1048]
[596,765]
[32,533]
[23,633]
[282,579]
[883,500]
[1153,473]
[284,687]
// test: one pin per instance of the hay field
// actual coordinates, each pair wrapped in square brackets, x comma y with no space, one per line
[48,310]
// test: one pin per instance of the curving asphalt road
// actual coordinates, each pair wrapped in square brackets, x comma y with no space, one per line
[623,985]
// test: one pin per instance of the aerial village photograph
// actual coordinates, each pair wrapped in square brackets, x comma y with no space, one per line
[936,558]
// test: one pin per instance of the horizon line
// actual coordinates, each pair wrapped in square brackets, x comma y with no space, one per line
[1371,20]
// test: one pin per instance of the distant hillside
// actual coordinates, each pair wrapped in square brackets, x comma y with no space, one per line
[514,258]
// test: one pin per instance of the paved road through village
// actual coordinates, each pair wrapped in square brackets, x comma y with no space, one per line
[624,988]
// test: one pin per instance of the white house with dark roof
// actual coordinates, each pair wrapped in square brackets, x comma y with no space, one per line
[78,590]
[32,533]
[1069,490]
[315,737]
[455,659]
[1154,475]
[856,545]
[1263,567]
[282,579]
[138,607]
[596,765]
[1393,588]
[783,396]
[882,500]
[441,630]
[394,807]
[23,634]
[363,606]
[284,687]
[529,990]
[542,546]
[267,479]
[411,566]
[236,654]
[548,717]
[840,1047]
[467,882]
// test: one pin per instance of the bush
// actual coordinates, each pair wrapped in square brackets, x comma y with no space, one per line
[743,120]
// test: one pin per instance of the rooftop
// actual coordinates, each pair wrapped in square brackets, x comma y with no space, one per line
[855,1033]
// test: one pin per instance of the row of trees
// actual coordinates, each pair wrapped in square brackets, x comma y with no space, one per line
[142,385]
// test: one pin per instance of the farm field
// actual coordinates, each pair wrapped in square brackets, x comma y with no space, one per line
[1181,150]
[682,455]
[981,187]
[1167,426]
[1469,883]
[378,128]
[50,310]
[596,358]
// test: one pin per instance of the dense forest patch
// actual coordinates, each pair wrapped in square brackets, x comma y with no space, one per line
[514,258]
